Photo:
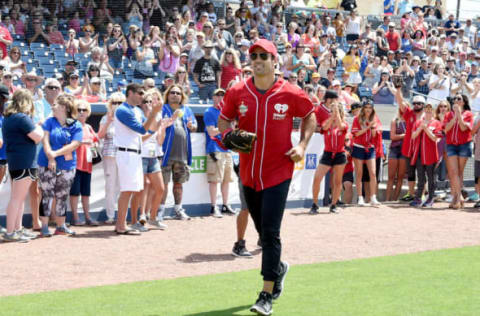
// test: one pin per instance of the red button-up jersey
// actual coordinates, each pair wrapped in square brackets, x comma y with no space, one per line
[366,140]
[410,118]
[455,136]
[349,165]
[379,140]
[428,148]
[335,139]
[270,116]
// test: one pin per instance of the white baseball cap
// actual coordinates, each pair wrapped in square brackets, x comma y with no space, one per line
[419,99]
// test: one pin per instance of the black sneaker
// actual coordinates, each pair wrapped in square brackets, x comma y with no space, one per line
[340,204]
[263,305]
[314,209]
[477,205]
[278,285]
[333,209]
[239,250]
[228,209]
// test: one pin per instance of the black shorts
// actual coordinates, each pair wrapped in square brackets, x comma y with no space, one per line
[23,173]
[366,175]
[352,37]
[81,183]
[348,177]
[338,159]
[3,162]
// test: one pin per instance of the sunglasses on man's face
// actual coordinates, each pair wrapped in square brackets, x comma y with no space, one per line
[263,56]
[53,88]
[418,103]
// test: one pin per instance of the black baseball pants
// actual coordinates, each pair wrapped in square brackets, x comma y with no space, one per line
[266,208]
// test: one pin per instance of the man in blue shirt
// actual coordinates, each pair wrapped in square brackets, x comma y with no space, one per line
[421,77]
[219,160]
[129,127]
[451,26]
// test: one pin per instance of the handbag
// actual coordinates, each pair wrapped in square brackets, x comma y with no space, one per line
[96,156]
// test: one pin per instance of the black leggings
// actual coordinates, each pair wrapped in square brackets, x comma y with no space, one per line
[266,208]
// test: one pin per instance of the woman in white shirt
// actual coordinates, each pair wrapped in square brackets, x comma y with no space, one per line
[439,85]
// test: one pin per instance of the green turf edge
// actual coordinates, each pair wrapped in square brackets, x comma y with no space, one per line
[445,282]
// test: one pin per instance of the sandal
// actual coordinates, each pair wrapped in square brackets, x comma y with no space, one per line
[129,231]
[77,222]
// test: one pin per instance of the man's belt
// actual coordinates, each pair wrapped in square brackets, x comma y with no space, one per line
[137,151]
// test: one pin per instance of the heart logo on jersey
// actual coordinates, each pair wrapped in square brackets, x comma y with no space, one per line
[281,108]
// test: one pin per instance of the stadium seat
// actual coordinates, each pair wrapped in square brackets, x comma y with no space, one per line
[37,45]
[57,47]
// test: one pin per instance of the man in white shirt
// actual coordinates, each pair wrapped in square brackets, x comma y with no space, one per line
[129,127]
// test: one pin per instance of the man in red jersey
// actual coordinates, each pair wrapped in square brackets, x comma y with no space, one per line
[266,106]
[410,115]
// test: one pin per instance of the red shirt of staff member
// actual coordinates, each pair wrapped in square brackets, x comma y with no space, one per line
[410,115]
[458,127]
[266,106]
[331,118]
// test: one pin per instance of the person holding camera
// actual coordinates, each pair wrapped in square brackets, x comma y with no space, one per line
[116,47]
[405,75]
[439,85]
[383,91]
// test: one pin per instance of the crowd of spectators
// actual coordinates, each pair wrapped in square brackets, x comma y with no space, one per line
[198,51]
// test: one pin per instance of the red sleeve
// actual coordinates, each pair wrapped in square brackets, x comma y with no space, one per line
[406,114]
[229,106]
[448,117]
[468,119]
[302,106]
[356,125]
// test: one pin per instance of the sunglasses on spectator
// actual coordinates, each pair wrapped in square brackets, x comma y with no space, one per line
[74,78]
[248,73]
[7,77]
[458,99]
[442,106]
[182,72]
[151,87]
[117,103]
[53,88]
[82,110]
[418,103]
[31,79]
[220,94]
[175,93]
[263,56]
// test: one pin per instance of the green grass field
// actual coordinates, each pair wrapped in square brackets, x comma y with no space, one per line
[443,282]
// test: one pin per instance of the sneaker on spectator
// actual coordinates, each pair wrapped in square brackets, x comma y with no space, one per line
[333,209]
[64,230]
[407,198]
[228,209]
[239,250]
[181,215]
[216,212]
[416,203]
[139,227]
[279,283]
[263,305]
[15,237]
[374,201]
[158,223]
[449,198]
[313,209]
[25,232]
[109,221]
[428,203]
[473,197]
[143,219]
[2,230]
[361,201]
[45,232]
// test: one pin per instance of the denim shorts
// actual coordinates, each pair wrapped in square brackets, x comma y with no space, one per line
[395,152]
[328,159]
[464,150]
[150,165]
[362,154]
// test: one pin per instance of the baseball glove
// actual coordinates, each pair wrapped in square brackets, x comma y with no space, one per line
[239,140]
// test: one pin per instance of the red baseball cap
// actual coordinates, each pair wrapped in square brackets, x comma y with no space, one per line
[266,45]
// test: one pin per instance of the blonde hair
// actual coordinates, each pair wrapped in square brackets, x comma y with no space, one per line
[115,97]
[22,102]
[236,60]
[79,102]
[153,92]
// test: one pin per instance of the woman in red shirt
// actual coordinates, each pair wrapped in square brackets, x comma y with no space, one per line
[364,130]
[334,130]
[426,132]
[230,67]
[458,126]
[83,175]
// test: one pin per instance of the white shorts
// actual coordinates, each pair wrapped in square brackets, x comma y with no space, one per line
[130,171]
